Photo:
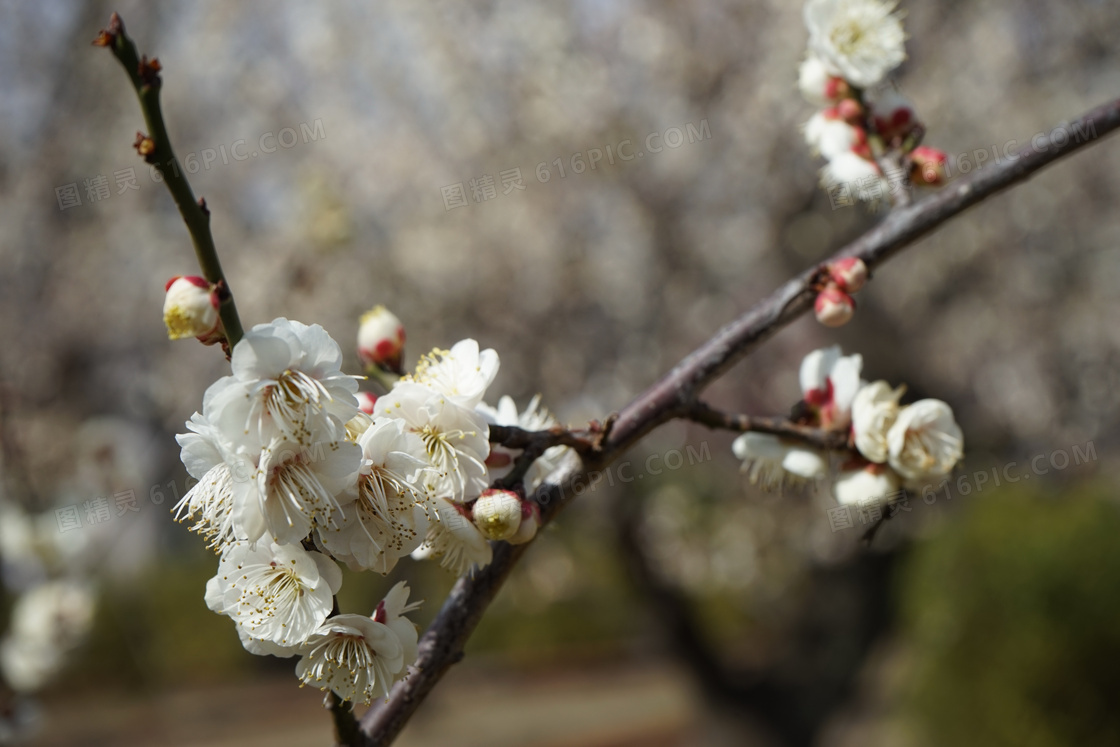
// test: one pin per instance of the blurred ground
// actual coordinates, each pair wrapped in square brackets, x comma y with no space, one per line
[595,706]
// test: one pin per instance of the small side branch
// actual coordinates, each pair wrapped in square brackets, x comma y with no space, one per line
[513,437]
[156,150]
[705,414]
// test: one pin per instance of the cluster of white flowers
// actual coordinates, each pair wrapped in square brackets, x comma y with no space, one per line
[853,45]
[895,446]
[297,473]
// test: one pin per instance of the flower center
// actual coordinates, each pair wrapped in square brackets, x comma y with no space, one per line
[847,36]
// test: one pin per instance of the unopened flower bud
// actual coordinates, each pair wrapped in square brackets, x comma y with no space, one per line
[929,165]
[834,307]
[892,115]
[530,521]
[381,339]
[849,273]
[190,308]
[850,111]
[366,401]
[497,514]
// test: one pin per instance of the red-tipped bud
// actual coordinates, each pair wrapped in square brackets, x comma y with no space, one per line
[849,273]
[190,307]
[834,307]
[928,165]
[893,115]
[366,401]
[530,521]
[497,514]
[381,339]
[836,88]
[850,111]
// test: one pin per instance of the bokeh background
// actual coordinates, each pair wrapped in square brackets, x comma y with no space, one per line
[685,607]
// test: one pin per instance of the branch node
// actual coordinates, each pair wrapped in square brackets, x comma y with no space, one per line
[145,147]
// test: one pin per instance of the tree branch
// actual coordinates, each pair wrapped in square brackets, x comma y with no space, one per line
[156,150]
[345,725]
[442,644]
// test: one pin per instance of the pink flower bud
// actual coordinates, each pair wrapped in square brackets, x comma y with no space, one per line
[530,521]
[190,307]
[834,307]
[366,401]
[849,273]
[836,88]
[929,165]
[850,111]
[381,339]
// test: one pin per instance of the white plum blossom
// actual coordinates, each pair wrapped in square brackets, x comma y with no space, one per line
[860,40]
[533,418]
[289,384]
[275,593]
[874,411]
[871,482]
[359,657]
[391,611]
[258,647]
[925,441]
[462,374]
[775,463]
[829,383]
[388,517]
[204,451]
[455,540]
[291,488]
[455,438]
[829,136]
[860,174]
[352,655]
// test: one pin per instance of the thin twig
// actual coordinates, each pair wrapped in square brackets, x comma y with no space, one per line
[442,644]
[156,149]
[705,414]
[513,437]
